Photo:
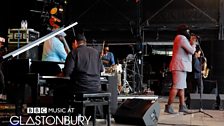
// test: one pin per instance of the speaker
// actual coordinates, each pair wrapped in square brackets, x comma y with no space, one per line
[210,86]
[220,101]
[138,112]
[208,101]
[109,84]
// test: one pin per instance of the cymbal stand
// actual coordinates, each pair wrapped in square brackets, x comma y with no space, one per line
[126,88]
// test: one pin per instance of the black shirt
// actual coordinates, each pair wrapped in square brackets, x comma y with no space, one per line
[84,66]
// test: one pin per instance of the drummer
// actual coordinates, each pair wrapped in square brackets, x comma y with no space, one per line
[109,62]
[107,57]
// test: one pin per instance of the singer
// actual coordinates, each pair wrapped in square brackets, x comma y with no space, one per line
[183,49]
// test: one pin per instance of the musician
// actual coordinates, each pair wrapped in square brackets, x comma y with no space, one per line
[54,49]
[197,87]
[181,63]
[74,44]
[107,57]
[108,61]
[83,65]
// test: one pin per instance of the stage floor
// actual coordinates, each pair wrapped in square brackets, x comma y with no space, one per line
[195,119]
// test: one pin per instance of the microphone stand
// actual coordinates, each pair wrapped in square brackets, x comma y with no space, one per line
[201,83]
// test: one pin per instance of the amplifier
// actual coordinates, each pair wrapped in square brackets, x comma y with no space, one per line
[109,84]
[22,35]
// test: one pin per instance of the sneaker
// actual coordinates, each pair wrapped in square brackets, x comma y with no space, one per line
[169,109]
[183,108]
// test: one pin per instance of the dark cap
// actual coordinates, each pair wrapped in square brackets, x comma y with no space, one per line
[81,37]
[182,27]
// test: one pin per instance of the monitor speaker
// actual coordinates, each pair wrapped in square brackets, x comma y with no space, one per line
[210,86]
[208,101]
[138,112]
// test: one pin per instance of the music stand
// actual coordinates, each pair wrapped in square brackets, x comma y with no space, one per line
[201,83]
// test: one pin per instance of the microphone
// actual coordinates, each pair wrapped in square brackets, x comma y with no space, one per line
[198,40]
[197,36]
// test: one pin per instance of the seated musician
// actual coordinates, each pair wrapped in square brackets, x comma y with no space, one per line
[107,57]
[83,65]
[54,50]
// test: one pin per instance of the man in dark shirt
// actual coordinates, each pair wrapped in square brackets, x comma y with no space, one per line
[83,65]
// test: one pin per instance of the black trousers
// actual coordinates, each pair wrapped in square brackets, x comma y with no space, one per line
[197,85]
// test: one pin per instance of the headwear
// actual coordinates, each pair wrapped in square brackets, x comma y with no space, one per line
[81,37]
[181,28]
[62,34]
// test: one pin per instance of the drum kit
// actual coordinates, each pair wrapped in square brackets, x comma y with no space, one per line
[122,70]
[118,68]
[126,88]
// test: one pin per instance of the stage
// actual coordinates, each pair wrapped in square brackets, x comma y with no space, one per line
[196,119]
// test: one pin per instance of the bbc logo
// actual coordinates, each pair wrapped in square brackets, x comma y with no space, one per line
[36,110]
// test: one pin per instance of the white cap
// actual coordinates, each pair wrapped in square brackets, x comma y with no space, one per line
[62,34]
